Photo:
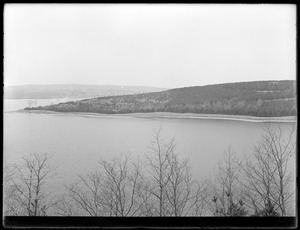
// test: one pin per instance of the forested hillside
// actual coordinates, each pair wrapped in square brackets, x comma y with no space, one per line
[261,98]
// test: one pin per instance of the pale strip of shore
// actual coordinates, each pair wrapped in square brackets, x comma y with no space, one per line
[169,115]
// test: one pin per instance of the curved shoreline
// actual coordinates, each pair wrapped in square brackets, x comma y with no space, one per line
[169,115]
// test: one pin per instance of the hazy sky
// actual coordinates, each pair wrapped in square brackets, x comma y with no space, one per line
[151,45]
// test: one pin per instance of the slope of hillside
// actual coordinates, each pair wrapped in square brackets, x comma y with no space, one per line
[72,91]
[263,98]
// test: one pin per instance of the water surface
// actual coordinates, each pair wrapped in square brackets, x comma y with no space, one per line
[77,142]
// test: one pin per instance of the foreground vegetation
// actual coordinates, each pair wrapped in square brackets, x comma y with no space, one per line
[161,184]
[262,99]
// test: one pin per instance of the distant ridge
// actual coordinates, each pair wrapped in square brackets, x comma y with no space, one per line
[258,98]
[35,91]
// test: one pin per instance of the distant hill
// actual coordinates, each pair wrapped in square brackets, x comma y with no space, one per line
[72,91]
[260,98]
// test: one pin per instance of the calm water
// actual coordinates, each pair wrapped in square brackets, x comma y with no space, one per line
[76,142]
[16,104]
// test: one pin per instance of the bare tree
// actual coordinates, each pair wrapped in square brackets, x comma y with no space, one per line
[227,197]
[179,188]
[65,207]
[173,191]
[113,191]
[122,181]
[26,189]
[160,170]
[10,205]
[86,196]
[185,195]
[268,181]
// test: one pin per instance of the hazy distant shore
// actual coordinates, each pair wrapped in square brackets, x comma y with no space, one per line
[170,115]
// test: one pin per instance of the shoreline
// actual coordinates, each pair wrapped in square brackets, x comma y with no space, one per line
[168,115]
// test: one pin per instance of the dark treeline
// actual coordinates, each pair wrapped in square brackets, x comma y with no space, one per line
[261,98]
[161,184]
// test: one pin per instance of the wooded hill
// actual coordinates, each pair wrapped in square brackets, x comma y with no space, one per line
[260,98]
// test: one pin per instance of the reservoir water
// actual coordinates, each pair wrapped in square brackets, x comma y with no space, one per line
[76,142]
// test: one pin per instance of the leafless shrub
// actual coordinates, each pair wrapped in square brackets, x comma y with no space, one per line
[26,191]
[227,196]
[267,179]
[173,191]
[113,191]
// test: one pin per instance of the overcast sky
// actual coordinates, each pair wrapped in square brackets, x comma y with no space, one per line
[150,45]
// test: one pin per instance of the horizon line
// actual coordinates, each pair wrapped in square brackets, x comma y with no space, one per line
[79,84]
